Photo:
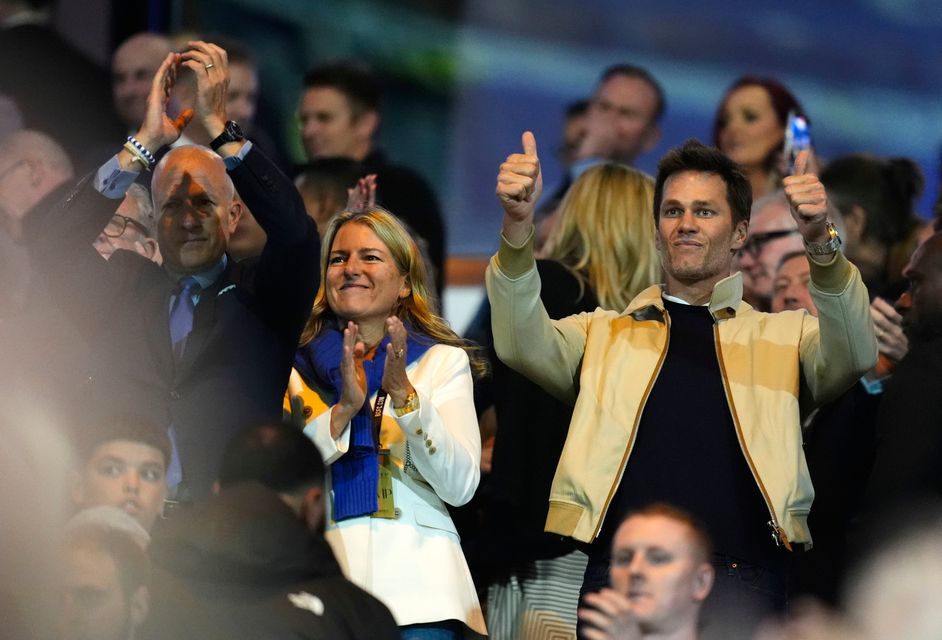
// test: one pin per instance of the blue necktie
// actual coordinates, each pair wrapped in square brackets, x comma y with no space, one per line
[181,314]
[181,323]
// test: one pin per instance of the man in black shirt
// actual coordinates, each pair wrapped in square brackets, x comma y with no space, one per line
[689,396]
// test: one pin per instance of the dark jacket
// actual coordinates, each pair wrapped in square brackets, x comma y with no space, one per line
[245,330]
[244,566]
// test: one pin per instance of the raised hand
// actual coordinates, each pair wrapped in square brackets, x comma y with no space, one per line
[808,200]
[888,324]
[158,129]
[362,197]
[395,381]
[519,184]
[210,65]
[353,394]
[610,617]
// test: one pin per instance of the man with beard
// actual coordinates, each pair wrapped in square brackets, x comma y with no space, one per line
[908,461]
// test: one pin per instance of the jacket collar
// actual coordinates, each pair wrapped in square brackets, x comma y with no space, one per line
[725,302]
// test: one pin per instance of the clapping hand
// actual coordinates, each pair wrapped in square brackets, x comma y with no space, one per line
[362,197]
[209,63]
[888,325]
[395,381]
[610,617]
[353,394]
[158,129]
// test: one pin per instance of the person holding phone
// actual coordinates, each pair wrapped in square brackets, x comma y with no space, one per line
[750,129]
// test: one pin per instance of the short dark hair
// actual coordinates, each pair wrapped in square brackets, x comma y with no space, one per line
[701,536]
[886,189]
[634,71]
[693,155]
[577,108]
[332,176]
[353,79]
[274,454]
[123,426]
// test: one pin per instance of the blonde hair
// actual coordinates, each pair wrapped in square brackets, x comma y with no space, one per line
[416,309]
[605,233]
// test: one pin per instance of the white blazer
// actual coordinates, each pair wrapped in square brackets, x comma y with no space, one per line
[414,563]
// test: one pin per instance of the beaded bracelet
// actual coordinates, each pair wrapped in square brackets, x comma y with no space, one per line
[137,155]
[144,153]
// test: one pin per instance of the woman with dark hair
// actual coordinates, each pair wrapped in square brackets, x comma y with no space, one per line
[749,127]
[876,198]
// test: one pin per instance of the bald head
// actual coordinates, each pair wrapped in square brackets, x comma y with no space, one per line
[132,69]
[32,165]
[190,158]
[194,199]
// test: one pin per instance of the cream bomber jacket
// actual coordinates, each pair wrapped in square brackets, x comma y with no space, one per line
[776,368]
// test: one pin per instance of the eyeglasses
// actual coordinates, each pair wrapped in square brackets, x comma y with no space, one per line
[119,224]
[757,241]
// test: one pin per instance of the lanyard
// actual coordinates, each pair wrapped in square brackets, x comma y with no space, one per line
[381,396]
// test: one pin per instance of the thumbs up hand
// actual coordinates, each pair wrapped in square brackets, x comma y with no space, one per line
[519,185]
[808,200]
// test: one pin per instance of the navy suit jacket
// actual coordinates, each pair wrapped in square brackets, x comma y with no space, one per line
[245,330]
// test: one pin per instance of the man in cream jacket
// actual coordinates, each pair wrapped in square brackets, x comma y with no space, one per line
[689,396]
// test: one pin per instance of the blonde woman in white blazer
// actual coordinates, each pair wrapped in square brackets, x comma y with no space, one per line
[400,419]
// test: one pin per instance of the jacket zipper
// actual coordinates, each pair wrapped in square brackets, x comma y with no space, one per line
[634,427]
[778,533]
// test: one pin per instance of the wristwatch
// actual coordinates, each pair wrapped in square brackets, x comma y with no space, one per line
[832,244]
[412,404]
[232,133]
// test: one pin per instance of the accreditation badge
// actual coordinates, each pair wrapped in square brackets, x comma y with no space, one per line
[386,505]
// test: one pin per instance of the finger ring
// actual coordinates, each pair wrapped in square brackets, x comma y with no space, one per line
[210,66]
[399,352]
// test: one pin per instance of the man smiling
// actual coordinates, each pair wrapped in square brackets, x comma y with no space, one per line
[201,345]
[689,396]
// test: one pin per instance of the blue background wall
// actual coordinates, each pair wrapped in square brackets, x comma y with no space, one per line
[464,79]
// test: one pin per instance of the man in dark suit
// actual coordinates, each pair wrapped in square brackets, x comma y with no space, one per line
[202,344]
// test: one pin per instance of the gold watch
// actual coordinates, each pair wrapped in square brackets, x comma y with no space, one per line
[412,404]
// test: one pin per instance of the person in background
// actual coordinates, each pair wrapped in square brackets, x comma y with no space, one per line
[56,88]
[876,198]
[400,434]
[621,122]
[660,576]
[749,127]
[340,114]
[105,578]
[252,562]
[133,227]
[324,185]
[772,234]
[133,66]
[790,286]
[122,463]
